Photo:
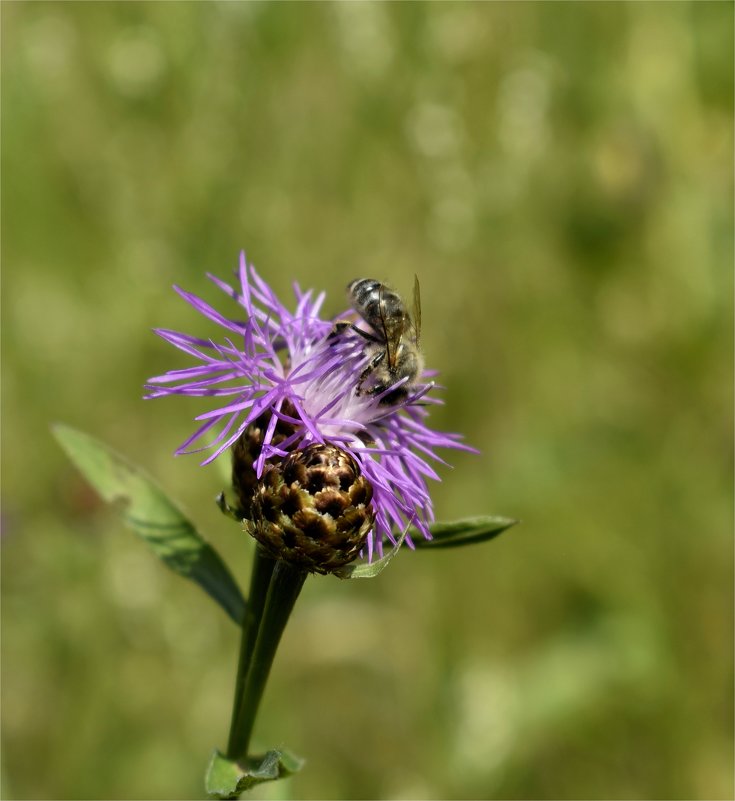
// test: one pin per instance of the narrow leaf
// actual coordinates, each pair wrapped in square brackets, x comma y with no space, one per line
[154,517]
[226,778]
[370,569]
[227,509]
[467,531]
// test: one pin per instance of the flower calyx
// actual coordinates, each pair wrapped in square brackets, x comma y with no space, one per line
[313,509]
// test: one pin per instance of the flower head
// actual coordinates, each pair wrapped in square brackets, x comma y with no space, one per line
[313,509]
[283,380]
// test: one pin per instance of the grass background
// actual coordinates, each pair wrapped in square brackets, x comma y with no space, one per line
[560,178]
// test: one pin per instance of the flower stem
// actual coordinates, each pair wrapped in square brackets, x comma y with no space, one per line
[275,586]
[259,582]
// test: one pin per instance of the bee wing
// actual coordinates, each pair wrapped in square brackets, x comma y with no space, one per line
[416,308]
[386,337]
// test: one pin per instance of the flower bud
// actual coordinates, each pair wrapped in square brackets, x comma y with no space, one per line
[313,509]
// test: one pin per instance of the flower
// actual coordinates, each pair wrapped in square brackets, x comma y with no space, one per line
[290,377]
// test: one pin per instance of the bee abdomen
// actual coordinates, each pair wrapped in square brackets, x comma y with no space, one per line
[374,300]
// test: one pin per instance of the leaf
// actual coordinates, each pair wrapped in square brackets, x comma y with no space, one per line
[227,509]
[468,531]
[445,535]
[154,517]
[227,778]
[370,569]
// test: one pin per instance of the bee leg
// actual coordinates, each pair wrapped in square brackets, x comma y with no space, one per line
[339,327]
[365,334]
[372,364]
[342,325]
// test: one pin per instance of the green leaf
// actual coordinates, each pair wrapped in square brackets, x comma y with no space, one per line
[227,509]
[468,531]
[370,569]
[445,535]
[226,778]
[154,517]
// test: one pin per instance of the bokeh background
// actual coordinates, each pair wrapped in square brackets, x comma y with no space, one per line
[560,178]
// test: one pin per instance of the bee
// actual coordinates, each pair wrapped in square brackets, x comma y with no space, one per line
[392,341]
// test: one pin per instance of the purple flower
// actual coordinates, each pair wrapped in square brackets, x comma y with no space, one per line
[292,367]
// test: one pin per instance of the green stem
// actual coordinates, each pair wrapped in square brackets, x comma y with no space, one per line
[259,649]
[259,582]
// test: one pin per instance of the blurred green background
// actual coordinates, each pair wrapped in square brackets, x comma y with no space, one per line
[560,178]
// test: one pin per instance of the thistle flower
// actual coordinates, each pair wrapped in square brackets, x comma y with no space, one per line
[283,380]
